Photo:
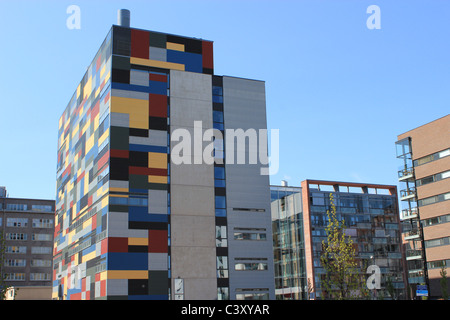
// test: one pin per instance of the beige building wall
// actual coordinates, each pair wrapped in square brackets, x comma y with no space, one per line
[427,140]
[29,293]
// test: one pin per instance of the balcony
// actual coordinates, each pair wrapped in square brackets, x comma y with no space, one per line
[407,194]
[406,174]
[414,254]
[412,234]
[408,214]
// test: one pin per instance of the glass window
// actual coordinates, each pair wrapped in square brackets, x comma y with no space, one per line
[42,223]
[217,116]
[44,208]
[218,126]
[16,206]
[217,91]
[17,222]
[220,202]
[118,201]
[219,183]
[218,99]
[41,250]
[16,236]
[41,237]
[221,212]
[219,172]
[16,249]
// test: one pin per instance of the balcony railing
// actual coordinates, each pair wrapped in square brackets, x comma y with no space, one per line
[412,234]
[408,214]
[407,193]
[407,173]
[413,254]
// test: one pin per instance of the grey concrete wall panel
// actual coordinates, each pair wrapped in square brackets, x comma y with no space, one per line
[140,78]
[159,54]
[184,112]
[120,119]
[157,201]
[192,200]
[129,94]
[245,108]
[157,138]
[192,231]
[118,184]
[118,226]
[157,261]
[117,287]
[190,85]
[193,247]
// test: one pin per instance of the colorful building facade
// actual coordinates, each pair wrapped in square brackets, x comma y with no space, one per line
[129,223]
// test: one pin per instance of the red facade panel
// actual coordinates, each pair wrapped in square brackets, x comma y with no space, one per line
[140,43]
[157,241]
[157,105]
[207,53]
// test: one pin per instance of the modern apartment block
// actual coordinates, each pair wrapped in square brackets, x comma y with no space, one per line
[424,153]
[140,214]
[26,227]
[289,243]
[371,218]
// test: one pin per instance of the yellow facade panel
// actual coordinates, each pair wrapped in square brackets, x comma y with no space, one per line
[103,137]
[87,88]
[175,46]
[157,179]
[157,64]
[75,130]
[127,274]
[138,241]
[90,143]
[102,71]
[105,202]
[88,256]
[157,160]
[96,120]
[136,108]
[107,76]
[86,126]
[118,189]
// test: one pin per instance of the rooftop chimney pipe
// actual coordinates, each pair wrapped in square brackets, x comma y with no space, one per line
[123,18]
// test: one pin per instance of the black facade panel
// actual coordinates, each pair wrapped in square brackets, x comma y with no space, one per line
[118,169]
[121,76]
[157,123]
[138,132]
[137,286]
[121,41]
[132,248]
[138,159]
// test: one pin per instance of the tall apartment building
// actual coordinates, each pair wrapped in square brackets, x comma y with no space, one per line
[133,222]
[299,217]
[26,227]
[424,153]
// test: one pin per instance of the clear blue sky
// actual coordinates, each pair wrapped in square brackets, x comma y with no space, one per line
[339,92]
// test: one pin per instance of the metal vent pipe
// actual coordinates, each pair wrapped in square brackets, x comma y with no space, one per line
[123,18]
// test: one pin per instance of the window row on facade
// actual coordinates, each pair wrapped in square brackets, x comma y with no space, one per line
[23,223]
[21,276]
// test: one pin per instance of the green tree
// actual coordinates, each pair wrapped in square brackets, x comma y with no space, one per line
[342,279]
[390,288]
[443,281]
